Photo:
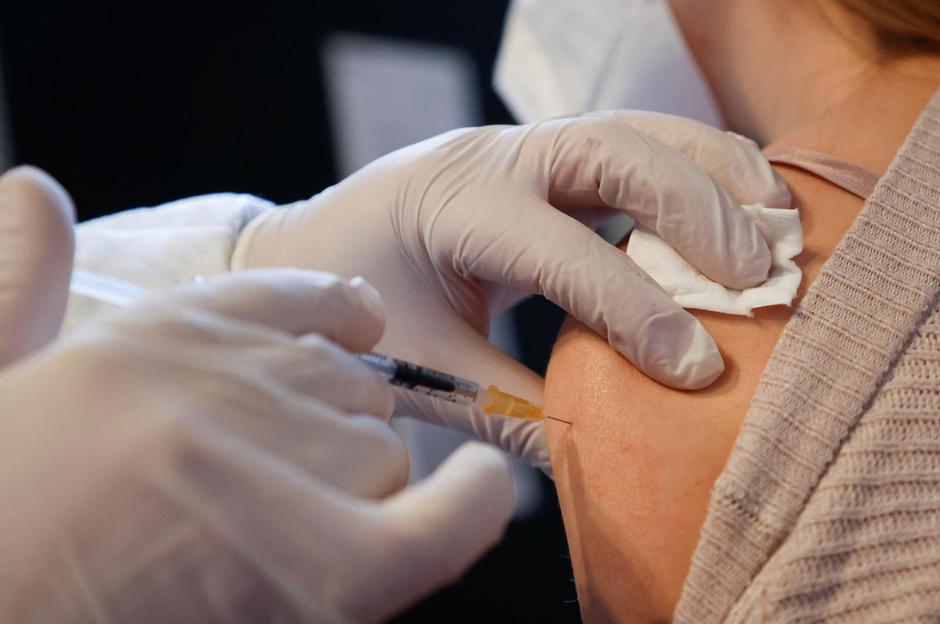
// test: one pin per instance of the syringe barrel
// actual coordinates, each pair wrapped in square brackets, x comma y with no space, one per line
[440,385]
[423,379]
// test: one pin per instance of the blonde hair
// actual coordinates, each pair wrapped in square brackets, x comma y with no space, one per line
[901,26]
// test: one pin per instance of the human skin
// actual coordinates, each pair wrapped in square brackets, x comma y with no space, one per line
[635,468]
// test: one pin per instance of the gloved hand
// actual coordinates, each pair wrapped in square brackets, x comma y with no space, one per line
[215,454]
[455,229]
[36,248]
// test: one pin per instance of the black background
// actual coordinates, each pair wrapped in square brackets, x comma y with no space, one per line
[132,103]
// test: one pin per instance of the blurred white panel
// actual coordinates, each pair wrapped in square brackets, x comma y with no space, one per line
[384,94]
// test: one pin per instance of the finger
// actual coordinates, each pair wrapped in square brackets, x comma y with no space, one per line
[310,365]
[293,301]
[661,188]
[353,453]
[734,161]
[603,288]
[356,453]
[255,507]
[37,245]
[330,557]
[449,520]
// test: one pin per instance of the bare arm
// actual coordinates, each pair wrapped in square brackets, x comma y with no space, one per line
[634,472]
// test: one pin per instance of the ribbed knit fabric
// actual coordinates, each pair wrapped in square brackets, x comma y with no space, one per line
[829,505]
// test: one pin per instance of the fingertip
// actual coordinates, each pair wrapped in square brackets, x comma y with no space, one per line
[363,316]
[779,196]
[677,352]
[750,260]
[737,256]
[371,302]
[38,243]
[701,364]
[36,190]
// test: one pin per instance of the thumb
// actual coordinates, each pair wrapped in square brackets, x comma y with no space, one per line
[453,517]
[37,244]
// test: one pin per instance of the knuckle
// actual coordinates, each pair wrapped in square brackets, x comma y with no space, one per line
[174,446]
[604,135]
[597,127]
[327,358]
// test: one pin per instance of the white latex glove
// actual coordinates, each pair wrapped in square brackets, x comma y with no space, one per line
[36,248]
[455,229]
[215,454]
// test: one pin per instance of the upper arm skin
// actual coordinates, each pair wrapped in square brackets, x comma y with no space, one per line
[633,474]
[635,469]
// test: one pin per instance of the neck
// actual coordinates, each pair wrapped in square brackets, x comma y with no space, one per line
[864,119]
[806,78]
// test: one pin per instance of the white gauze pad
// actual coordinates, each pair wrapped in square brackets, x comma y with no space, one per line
[689,288]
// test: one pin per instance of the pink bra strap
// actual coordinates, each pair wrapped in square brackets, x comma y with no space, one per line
[842,173]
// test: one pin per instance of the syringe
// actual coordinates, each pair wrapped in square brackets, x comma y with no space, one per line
[416,378]
[440,385]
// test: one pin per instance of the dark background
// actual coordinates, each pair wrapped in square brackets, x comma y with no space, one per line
[133,104]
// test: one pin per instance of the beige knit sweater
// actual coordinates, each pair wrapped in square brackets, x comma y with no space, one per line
[829,505]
